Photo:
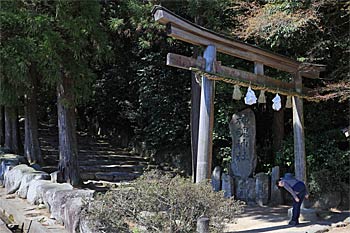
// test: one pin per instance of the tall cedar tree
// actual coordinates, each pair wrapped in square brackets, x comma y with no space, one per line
[57,42]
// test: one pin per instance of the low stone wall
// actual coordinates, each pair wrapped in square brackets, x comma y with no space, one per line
[63,201]
[259,189]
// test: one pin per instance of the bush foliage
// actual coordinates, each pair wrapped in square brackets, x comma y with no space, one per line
[157,202]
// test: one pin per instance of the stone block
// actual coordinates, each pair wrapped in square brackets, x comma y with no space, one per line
[72,214]
[27,178]
[14,177]
[37,188]
[57,199]
[6,166]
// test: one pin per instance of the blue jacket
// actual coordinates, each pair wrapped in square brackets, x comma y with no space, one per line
[292,188]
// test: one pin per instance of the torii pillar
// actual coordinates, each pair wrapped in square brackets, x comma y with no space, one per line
[206,119]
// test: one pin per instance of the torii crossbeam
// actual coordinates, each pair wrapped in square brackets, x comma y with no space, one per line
[210,69]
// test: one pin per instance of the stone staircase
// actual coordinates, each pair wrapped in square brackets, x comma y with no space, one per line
[99,161]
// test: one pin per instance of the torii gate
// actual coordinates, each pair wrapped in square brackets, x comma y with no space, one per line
[211,70]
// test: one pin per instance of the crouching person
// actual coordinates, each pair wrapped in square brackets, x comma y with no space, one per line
[299,192]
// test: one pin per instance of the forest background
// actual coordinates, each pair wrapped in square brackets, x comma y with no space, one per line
[100,65]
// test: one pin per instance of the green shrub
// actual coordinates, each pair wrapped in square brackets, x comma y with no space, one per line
[159,203]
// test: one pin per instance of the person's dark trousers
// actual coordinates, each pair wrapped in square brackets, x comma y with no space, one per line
[301,190]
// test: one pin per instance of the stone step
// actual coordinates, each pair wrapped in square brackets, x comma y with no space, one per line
[98,161]
[102,158]
[110,176]
[111,168]
[81,146]
[128,168]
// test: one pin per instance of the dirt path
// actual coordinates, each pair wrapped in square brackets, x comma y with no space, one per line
[275,219]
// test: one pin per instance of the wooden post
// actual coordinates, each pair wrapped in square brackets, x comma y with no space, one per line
[258,68]
[205,119]
[203,225]
[195,106]
[298,130]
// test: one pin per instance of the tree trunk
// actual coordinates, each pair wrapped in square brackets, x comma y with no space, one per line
[12,137]
[68,151]
[2,126]
[31,141]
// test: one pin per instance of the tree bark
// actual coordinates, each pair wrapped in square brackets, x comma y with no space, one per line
[31,141]
[68,151]
[12,137]
[2,126]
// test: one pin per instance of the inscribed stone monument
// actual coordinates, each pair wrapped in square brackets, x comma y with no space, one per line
[243,132]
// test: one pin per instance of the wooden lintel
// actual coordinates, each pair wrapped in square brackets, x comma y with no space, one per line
[186,31]
[257,80]
[181,34]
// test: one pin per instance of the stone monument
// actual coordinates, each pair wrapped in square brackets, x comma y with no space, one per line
[243,132]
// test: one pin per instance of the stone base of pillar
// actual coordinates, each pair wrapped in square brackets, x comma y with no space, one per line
[305,214]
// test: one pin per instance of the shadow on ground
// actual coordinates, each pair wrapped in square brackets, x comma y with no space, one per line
[270,229]
[275,219]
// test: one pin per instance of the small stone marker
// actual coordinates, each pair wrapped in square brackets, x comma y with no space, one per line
[243,132]
[262,188]
[216,179]
[245,189]
[276,195]
[227,185]
[203,225]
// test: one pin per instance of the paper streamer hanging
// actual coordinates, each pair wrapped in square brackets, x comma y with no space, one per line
[250,97]
[276,103]
[289,102]
[262,97]
[237,94]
